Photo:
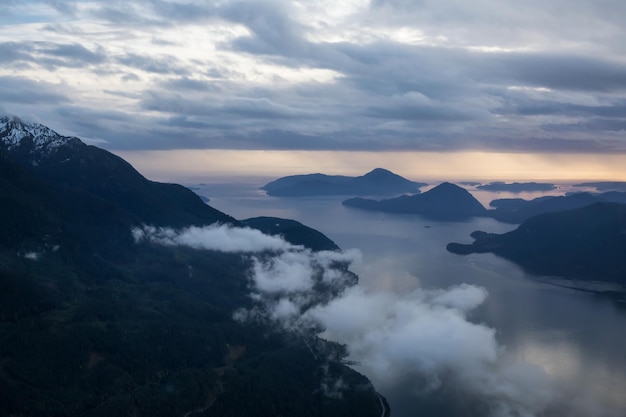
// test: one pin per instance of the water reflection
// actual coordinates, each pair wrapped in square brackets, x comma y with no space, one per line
[575,338]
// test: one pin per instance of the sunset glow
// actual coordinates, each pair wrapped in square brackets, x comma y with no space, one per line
[207,165]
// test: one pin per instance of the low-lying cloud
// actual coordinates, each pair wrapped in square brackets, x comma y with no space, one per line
[215,237]
[418,340]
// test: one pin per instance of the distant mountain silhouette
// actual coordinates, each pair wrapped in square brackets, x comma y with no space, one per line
[516,187]
[585,243]
[444,202]
[516,210]
[604,185]
[377,182]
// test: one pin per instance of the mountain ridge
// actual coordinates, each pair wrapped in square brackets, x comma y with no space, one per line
[94,323]
[379,181]
[446,201]
[70,163]
[39,140]
[517,210]
[584,243]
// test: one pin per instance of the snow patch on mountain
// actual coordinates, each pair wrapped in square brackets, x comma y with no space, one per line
[15,133]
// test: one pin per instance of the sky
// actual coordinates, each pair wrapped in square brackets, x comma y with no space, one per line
[369,79]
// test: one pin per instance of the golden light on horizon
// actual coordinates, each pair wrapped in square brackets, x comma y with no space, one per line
[203,165]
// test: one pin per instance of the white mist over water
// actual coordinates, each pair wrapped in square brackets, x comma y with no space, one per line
[422,341]
[528,349]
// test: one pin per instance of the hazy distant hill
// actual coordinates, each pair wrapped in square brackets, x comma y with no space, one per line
[516,210]
[585,243]
[604,185]
[377,182]
[444,202]
[516,187]
[93,323]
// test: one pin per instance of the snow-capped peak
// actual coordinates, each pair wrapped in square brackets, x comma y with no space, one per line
[15,134]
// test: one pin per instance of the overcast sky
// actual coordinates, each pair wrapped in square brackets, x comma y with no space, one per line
[496,75]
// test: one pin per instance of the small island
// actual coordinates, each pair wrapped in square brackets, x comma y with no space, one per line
[516,187]
[376,182]
[604,185]
[444,202]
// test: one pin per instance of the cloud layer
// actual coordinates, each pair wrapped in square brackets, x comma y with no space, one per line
[423,341]
[367,75]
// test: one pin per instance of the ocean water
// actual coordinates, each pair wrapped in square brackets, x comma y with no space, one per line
[576,339]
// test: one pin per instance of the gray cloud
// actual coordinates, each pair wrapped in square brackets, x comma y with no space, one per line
[14,51]
[25,91]
[67,8]
[160,65]
[188,84]
[274,33]
[51,55]
[76,53]
[509,23]
[395,75]
[557,71]
[125,13]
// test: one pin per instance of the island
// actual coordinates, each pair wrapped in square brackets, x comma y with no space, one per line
[446,201]
[516,210]
[516,187]
[604,185]
[587,243]
[376,182]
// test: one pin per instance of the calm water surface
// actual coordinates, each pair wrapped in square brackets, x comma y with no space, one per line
[576,337]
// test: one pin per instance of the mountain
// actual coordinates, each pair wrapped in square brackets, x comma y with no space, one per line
[377,182]
[516,210]
[516,187]
[584,243]
[604,185]
[73,165]
[95,323]
[444,202]
[292,231]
